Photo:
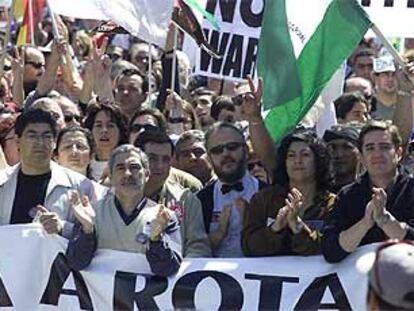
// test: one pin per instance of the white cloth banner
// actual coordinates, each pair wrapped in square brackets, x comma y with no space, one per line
[34,275]
[146,19]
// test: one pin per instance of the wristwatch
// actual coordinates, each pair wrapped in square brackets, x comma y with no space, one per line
[384,219]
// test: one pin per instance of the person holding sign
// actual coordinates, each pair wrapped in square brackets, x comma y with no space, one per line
[286,219]
[125,219]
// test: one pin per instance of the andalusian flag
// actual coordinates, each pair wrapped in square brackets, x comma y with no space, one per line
[297,58]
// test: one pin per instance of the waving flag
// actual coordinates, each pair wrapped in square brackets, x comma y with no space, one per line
[297,60]
[146,19]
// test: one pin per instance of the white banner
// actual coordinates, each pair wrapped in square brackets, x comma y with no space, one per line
[240,22]
[146,19]
[34,275]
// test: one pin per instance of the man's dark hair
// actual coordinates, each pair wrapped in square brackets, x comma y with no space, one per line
[116,115]
[223,125]
[221,103]
[375,125]
[154,112]
[35,115]
[345,103]
[381,303]
[132,72]
[323,168]
[191,135]
[155,136]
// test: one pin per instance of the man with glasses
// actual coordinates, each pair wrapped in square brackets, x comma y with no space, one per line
[38,189]
[225,199]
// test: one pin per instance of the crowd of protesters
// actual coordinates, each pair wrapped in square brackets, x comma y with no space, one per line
[103,152]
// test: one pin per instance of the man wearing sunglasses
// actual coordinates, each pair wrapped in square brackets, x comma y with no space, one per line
[224,200]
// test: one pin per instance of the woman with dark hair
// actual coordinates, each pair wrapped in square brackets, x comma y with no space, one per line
[74,149]
[286,218]
[109,130]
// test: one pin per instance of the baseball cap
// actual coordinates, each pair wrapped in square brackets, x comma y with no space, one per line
[384,64]
[392,274]
[347,132]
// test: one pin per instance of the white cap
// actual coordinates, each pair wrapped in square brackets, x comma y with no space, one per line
[384,64]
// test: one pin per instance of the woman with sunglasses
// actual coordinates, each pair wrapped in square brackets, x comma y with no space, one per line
[75,149]
[109,130]
[286,219]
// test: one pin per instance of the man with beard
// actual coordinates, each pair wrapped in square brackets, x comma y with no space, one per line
[224,200]
[342,142]
[191,156]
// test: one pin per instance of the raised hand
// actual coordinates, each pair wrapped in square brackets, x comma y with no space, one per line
[294,202]
[379,201]
[251,106]
[83,211]
[159,223]
[17,63]
[51,222]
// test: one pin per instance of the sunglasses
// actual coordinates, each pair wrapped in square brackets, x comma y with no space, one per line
[232,146]
[251,165]
[238,99]
[69,117]
[135,128]
[36,65]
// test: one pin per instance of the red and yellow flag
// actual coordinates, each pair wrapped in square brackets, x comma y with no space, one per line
[21,10]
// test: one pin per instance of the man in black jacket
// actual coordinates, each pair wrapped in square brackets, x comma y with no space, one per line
[379,205]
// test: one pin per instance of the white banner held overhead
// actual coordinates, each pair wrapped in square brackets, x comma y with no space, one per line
[146,19]
[34,275]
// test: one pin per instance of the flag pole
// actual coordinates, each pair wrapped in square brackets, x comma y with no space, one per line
[31,23]
[7,38]
[174,60]
[149,71]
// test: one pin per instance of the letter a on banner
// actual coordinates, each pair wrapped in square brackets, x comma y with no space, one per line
[5,300]
[58,277]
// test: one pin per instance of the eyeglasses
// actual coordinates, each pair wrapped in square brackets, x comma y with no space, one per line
[69,117]
[238,99]
[135,128]
[232,146]
[36,65]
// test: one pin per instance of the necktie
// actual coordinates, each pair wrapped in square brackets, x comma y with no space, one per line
[227,188]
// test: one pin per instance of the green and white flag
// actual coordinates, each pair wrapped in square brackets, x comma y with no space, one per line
[298,56]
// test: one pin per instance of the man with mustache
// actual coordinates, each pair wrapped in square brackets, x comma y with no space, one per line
[225,199]
[125,219]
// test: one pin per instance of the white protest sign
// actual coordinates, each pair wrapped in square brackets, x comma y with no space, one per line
[34,275]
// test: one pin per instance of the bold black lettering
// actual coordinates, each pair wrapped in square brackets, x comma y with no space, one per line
[270,289]
[389,3]
[5,300]
[410,4]
[234,57]
[227,9]
[184,290]
[220,45]
[366,2]
[58,276]
[125,295]
[312,296]
[249,18]
[251,57]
